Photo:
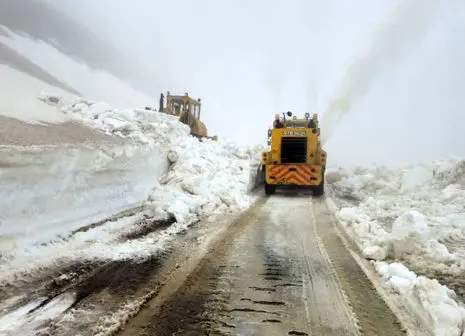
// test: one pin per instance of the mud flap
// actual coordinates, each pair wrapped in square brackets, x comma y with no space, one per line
[270,188]
[259,177]
[319,190]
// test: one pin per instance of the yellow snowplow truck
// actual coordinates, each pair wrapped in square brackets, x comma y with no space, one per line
[188,111]
[295,158]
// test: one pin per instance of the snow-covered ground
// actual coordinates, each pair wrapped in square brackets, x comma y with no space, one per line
[97,85]
[410,222]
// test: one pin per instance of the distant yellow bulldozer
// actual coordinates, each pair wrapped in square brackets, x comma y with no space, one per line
[188,111]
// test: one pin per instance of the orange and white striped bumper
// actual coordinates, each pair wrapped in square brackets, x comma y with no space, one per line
[301,174]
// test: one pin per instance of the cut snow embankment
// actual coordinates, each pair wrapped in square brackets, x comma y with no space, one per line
[411,218]
[52,190]
[55,190]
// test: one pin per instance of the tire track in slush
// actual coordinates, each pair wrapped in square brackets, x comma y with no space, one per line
[327,312]
[49,281]
[280,269]
[74,283]
[373,314]
[193,300]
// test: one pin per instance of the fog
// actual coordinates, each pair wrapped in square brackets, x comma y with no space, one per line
[398,70]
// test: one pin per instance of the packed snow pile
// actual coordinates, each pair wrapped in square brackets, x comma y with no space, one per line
[204,177]
[159,172]
[408,213]
[414,215]
[434,302]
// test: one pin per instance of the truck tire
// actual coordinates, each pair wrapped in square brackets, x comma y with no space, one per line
[319,190]
[269,189]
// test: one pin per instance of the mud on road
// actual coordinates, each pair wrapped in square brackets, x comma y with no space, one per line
[89,295]
[279,269]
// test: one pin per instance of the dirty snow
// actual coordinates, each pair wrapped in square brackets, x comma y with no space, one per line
[27,318]
[410,218]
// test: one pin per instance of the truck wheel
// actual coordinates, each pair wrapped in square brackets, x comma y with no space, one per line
[269,189]
[320,189]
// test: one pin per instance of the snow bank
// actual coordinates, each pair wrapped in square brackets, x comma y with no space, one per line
[434,301]
[51,191]
[159,166]
[204,176]
[409,212]
[415,215]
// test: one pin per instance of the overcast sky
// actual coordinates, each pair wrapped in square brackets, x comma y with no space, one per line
[248,60]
